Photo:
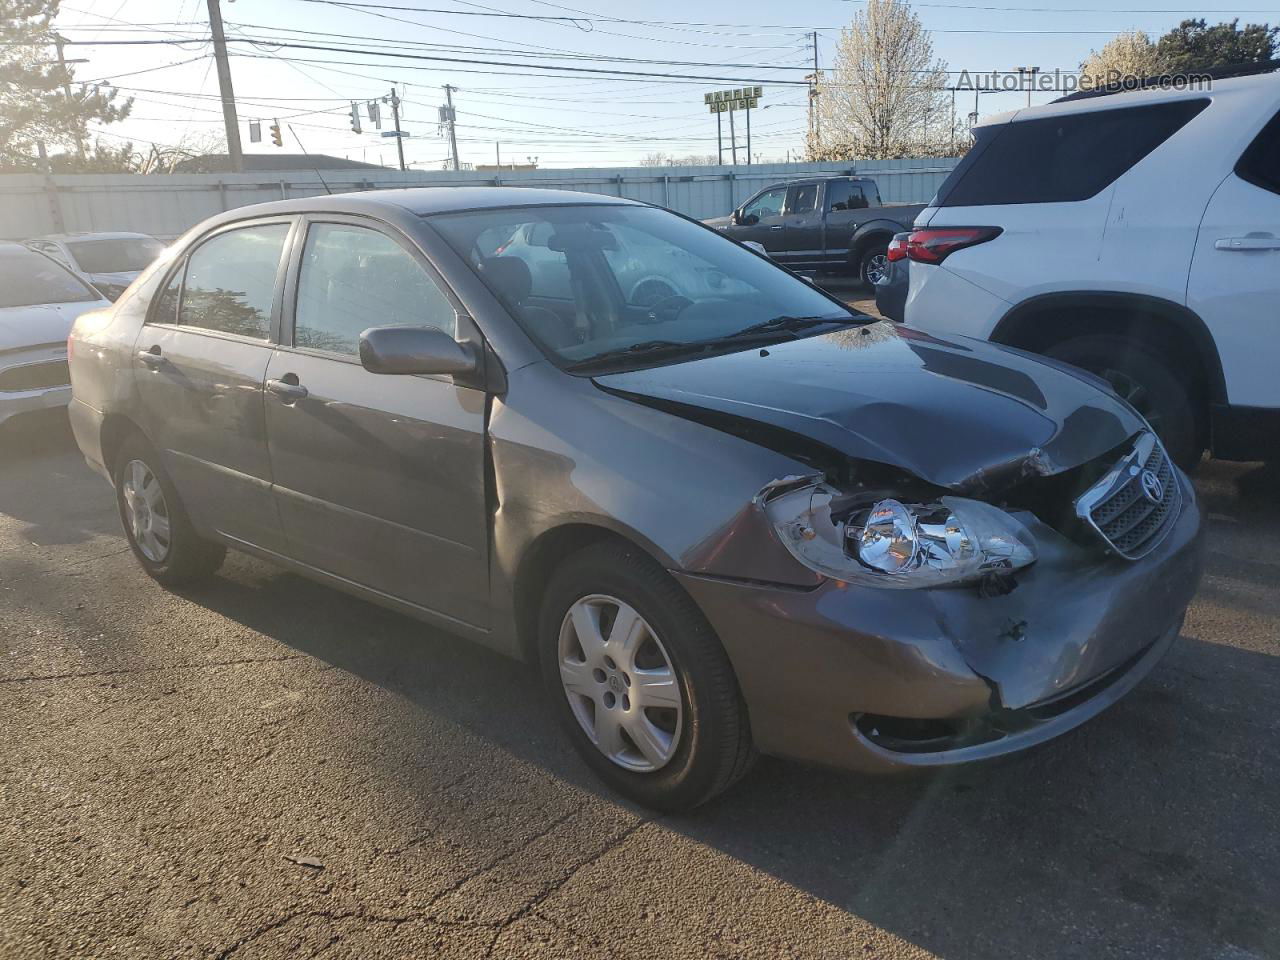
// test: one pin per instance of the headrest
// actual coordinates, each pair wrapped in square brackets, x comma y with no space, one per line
[509,276]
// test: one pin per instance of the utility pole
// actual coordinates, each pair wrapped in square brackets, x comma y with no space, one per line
[1032,71]
[497,153]
[395,117]
[453,136]
[813,95]
[719,141]
[733,138]
[224,86]
[748,133]
[60,42]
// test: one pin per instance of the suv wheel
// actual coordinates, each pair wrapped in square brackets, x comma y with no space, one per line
[1151,385]
[639,680]
[874,265]
[155,522]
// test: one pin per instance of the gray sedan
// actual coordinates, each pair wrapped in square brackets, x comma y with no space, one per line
[734,518]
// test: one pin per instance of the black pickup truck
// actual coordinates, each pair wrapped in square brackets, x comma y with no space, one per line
[821,223]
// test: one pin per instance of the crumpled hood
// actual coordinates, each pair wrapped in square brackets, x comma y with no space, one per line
[962,414]
[44,323]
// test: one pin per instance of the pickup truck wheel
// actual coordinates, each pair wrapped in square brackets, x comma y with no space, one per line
[639,680]
[874,265]
[1152,385]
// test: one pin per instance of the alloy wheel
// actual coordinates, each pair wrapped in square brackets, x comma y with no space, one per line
[146,512]
[620,683]
[877,268]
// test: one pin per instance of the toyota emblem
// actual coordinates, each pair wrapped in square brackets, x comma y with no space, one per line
[1152,488]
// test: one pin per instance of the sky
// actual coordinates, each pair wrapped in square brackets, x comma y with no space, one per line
[513,104]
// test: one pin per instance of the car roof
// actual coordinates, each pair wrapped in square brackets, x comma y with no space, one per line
[425,201]
[1130,98]
[96,235]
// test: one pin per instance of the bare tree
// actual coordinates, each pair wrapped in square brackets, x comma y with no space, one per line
[668,160]
[886,94]
[1129,54]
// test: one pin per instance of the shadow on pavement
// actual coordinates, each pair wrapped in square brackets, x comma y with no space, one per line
[41,478]
[1153,828]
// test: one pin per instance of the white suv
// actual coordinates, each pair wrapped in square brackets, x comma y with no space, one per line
[1136,235]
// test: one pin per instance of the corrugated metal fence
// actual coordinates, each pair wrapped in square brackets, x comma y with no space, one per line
[165,206]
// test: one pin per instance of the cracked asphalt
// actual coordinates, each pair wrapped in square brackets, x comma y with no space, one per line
[262,767]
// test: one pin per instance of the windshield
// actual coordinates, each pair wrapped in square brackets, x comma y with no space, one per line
[121,255]
[591,283]
[28,278]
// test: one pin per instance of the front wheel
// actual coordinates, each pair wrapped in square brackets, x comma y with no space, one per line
[639,680]
[874,265]
[1165,396]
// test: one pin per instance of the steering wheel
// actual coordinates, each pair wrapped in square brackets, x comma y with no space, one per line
[667,308]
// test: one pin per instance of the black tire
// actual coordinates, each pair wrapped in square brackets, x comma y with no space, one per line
[187,555]
[714,748]
[1155,387]
[873,256]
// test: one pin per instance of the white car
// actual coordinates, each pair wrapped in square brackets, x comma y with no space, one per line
[1136,235]
[109,261]
[39,300]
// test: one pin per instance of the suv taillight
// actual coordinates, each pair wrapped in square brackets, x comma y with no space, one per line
[935,244]
[897,248]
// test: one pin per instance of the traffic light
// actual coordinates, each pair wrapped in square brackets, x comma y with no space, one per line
[275,134]
[355,117]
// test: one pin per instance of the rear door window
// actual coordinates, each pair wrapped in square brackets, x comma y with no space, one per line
[1061,159]
[843,195]
[1260,164]
[231,281]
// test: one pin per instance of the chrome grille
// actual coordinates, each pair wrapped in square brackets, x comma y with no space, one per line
[1126,508]
[35,376]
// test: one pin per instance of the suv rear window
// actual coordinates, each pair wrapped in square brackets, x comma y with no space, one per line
[1260,164]
[1060,159]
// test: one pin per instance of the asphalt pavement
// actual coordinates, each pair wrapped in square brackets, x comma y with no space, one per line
[261,767]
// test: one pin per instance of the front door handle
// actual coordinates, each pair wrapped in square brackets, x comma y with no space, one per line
[151,358]
[1248,243]
[288,389]
[776,226]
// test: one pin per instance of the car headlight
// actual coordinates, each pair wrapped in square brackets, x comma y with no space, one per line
[890,543]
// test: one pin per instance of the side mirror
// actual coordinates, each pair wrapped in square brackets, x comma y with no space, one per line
[409,350]
[756,246]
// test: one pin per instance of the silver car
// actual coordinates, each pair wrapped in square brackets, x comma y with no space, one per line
[740,518]
[39,300]
[109,261]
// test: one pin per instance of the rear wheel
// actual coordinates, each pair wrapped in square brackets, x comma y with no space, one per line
[1164,394]
[639,680]
[155,522]
[874,265]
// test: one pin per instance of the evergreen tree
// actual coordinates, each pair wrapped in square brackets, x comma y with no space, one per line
[39,102]
[1194,45]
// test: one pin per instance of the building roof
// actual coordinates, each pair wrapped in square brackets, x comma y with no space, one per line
[259,162]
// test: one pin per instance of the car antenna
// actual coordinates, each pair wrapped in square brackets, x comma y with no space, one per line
[308,156]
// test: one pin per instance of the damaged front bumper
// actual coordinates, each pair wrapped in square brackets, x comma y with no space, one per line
[868,678]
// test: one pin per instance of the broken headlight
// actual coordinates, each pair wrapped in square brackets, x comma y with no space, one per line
[891,543]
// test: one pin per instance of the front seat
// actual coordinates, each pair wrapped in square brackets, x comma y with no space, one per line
[510,278]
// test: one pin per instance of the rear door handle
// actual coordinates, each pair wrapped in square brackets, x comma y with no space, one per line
[151,358]
[286,391]
[1248,243]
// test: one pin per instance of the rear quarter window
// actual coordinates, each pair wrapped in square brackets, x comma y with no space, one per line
[1260,163]
[1061,159]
